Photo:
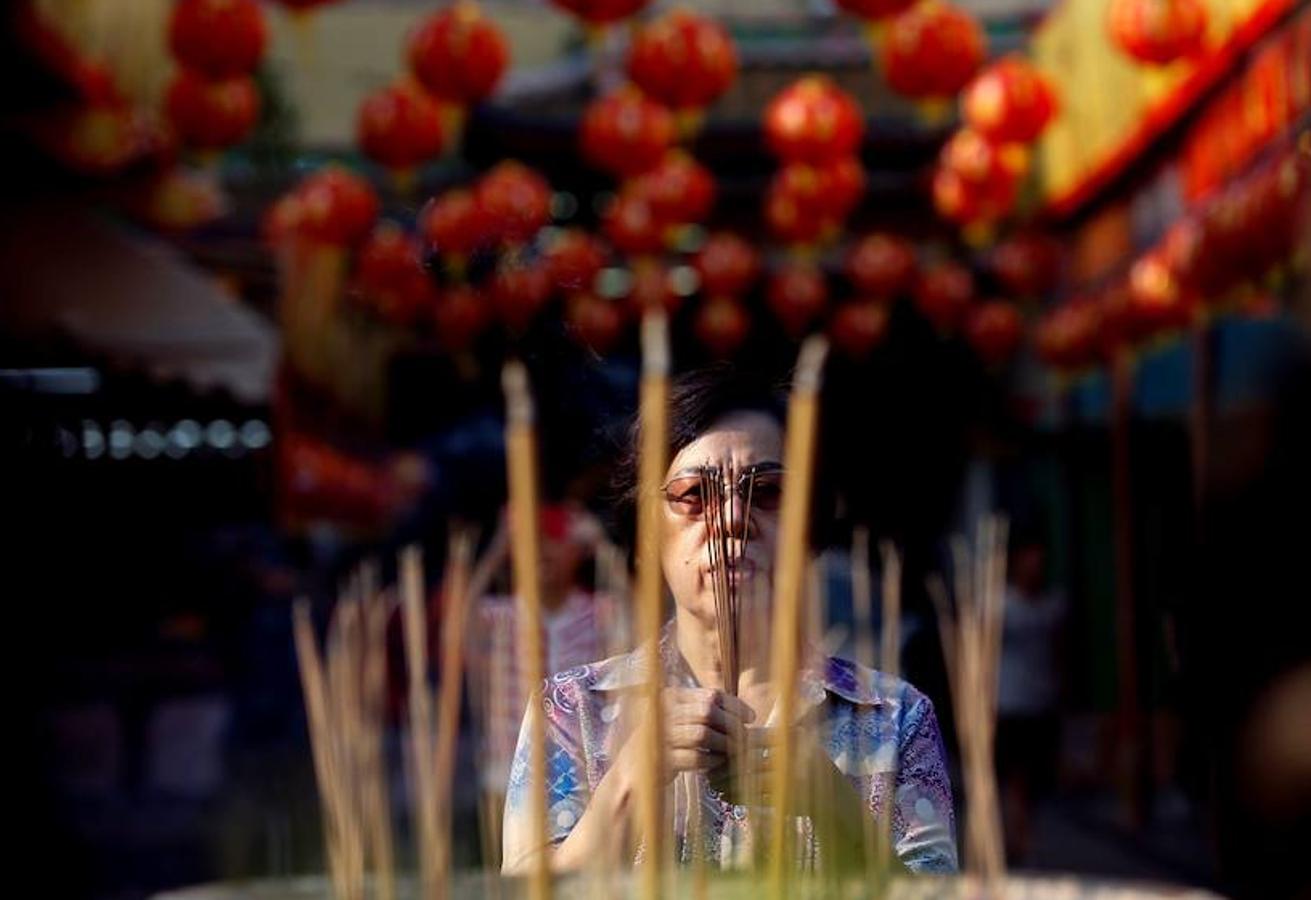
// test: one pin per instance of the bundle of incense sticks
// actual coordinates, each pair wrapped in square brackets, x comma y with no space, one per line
[726,551]
[971,644]
[344,689]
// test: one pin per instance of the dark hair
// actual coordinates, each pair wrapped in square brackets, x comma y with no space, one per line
[697,400]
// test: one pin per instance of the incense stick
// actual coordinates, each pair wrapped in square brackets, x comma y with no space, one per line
[652,463]
[420,709]
[790,571]
[456,595]
[377,807]
[521,463]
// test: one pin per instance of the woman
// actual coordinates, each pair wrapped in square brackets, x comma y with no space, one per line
[878,754]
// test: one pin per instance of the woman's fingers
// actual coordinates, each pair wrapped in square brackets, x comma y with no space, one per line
[698,736]
[684,759]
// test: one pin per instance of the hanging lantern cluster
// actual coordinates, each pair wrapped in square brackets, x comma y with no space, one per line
[1158,32]
[1224,256]
[981,167]
[455,59]
[728,268]
[815,129]
[213,102]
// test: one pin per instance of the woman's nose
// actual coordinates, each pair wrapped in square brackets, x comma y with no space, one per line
[736,516]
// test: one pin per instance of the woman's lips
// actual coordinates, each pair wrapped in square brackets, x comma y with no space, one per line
[736,569]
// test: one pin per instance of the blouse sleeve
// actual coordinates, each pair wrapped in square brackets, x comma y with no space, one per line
[924,827]
[566,784]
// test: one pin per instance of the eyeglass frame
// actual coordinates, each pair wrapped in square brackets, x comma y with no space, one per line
[745,481]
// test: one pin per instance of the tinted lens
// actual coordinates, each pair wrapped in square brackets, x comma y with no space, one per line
[684,495]
[767,491]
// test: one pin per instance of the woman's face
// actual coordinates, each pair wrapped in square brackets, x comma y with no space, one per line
[739,440]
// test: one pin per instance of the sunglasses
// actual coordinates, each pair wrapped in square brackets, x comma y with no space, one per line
[759,486]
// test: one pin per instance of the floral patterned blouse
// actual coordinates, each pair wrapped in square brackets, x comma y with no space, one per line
[880,732]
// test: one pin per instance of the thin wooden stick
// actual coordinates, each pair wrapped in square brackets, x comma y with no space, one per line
[316,713]
[789,582]
[521,463]
[377,611]
[456,596]
[421,734]
[652,464]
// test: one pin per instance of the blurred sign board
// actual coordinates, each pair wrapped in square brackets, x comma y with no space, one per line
[1114,108]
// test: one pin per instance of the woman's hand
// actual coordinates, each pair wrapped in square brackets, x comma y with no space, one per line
[704,729]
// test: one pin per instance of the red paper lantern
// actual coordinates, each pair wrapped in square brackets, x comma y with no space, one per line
[516,201]
[601,12]
[995,330]
[967,203]
[797,295]
[943,294]
[1009,102]
[218,38]
[727,265]
[722,324]
[859,326]
[458,55]
[1155,300]
[390,278]
[976,180]
[812,121]
[932,50]
[873,10]
[573,259]
[807,202]
[461,314]
[683,60]
[518,291]
[1026,265]
[1157,32]
[336,207]
[595,322]
[454,224]
[212,115]
[632,226]
[881,266]
[791,220]
[400,127]
[982,163]
[679,189]
[1068,336]
[625,134]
